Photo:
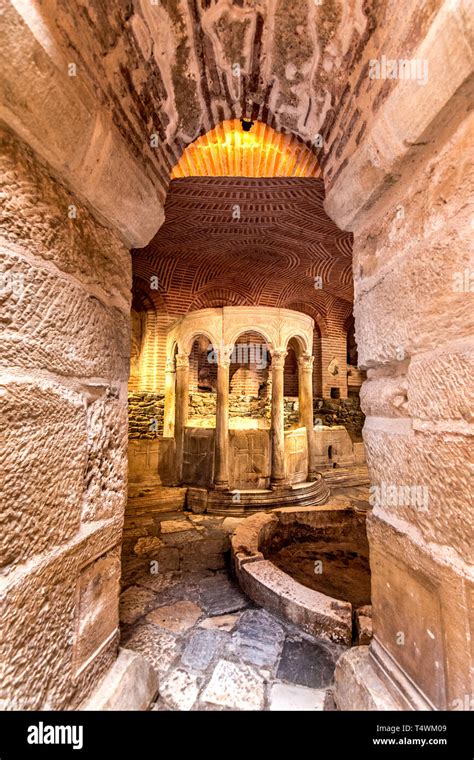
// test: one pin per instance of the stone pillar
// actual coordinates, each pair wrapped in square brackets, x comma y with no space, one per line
[305,364]
[66,412]
[278,478]
[221,440]
[170,398]
[181,411]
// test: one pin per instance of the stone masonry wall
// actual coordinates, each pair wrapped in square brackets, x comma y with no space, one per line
[145,414]
[405,189]
[65,291]
[345,412]
[146,411]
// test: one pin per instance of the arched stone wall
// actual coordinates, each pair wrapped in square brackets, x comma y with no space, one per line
[223,327]
[395,175]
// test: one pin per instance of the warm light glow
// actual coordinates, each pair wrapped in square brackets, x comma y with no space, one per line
[228,151]
[235,423]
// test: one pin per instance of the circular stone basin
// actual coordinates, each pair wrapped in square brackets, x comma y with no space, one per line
[338,568]
[309,564]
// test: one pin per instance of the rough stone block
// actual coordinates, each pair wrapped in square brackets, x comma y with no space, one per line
[417,469]
[42,462]
[235,686]
[291,698]
[48,599]
[357,686]
[97,615]
[36,217]
[105,491]
[90,338]
[440,383]
[130,684]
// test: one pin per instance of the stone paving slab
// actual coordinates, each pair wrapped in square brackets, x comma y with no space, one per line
[306,663]
[158,581]
[203,647]
[219,596]
[215,651]
[176,617]
[134,603]
[159,646]
[258,638]
[175,526]
[167,592]
[236,686]
[293,698]
[180,690]
[221,622]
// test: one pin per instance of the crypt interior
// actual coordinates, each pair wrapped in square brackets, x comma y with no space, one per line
[236,356]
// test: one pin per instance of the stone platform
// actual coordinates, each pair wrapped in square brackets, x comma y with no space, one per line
[247,501]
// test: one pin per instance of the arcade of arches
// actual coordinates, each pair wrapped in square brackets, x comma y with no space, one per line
[236,299]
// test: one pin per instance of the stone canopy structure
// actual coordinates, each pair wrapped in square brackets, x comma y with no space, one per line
[223,327]
[245,241]
[98,103]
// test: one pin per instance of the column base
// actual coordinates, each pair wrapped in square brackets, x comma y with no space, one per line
[279,485]
[221,486]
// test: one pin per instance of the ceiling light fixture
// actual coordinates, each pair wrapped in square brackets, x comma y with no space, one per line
[247,124]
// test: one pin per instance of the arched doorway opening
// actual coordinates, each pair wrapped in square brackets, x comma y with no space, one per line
[116,174]
[250,382]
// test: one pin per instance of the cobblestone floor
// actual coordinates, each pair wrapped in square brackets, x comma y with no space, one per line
[212,647]
[215,650]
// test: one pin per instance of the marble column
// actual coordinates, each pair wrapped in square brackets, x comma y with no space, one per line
[305,366]
[170,394]
[221,440]
[181,409]
[278,478]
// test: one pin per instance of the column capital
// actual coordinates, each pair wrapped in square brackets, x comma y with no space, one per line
[170,365]
[305,362]
[182,361]
[278,357]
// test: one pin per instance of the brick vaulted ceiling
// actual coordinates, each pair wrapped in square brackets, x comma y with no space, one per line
[240,240]
[228,150]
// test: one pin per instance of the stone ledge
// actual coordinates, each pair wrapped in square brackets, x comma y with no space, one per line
[357,685]
[315,613]
[130,684]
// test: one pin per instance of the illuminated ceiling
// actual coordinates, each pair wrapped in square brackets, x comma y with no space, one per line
[262,152]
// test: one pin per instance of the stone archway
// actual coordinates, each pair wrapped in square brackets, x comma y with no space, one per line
[64,149]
